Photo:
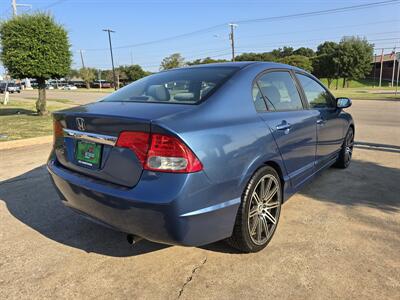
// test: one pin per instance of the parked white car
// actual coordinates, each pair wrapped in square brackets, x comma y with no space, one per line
[69,87]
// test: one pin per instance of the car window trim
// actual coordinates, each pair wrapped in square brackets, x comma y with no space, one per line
[321,84]
[264,72]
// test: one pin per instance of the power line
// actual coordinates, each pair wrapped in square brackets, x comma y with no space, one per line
[267,19]
[53,4]
[323,29]
[320,12]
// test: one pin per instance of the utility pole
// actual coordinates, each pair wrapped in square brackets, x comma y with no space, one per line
[374,69]
[100,79]
[338,68]
[394,65]
[232,38]
[380,73]
[398,71]
[14,6]
[112,56]
[83,62]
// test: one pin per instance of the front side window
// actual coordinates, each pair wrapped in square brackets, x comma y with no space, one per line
[186,85]
[279,91]
[317,96]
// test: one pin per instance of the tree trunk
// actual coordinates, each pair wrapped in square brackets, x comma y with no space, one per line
[41,101]
[87,84]
[329,82]
[344,82]
[337,83]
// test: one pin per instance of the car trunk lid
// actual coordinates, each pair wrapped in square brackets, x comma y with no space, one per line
[90,133]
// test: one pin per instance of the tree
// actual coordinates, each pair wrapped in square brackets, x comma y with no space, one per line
[304,51]
[265,56]
[72,73]
[299,61]
[325,64]
[132,72]
[281,53]
[87,75]
[35,46]
[207,60]
[173,61]
[354,59]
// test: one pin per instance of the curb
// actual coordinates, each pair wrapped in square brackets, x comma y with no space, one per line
[26,142]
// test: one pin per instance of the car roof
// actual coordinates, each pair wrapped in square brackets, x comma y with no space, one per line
[243,64]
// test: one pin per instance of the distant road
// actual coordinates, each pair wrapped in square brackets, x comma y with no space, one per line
[78,97]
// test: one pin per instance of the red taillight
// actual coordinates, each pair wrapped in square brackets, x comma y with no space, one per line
[137,141]
[160,152]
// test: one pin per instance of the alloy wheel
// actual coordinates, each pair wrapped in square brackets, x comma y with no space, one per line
[349,144]
[264,209]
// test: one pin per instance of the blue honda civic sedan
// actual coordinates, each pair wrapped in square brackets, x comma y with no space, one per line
[195,155]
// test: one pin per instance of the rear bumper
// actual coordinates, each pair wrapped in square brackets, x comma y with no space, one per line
[177,209]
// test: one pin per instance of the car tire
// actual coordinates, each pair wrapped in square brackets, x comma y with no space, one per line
[346,152]
[258,216]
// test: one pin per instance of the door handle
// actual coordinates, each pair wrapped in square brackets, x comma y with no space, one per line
[284,126]
[321,122]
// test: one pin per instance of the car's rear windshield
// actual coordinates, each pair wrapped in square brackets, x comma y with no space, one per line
[186,86]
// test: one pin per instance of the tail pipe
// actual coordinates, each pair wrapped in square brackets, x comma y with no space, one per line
[133,239]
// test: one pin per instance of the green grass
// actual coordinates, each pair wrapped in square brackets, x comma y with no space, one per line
[66,101]
[357,94]
[362,83]
[363,90]
[18,120]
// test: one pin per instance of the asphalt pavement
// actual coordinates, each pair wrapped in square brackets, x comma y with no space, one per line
[338,238]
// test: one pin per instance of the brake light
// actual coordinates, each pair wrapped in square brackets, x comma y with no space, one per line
[137,141]
[160,152]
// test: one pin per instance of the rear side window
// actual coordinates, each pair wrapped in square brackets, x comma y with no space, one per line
[317,96]
[186,85]
[258,99]
[279,91]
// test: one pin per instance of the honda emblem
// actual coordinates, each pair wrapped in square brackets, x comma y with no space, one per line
[80,124]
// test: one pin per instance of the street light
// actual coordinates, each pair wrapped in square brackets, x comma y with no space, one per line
[112,56]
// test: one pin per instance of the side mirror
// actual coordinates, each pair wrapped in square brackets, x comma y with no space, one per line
[343,102]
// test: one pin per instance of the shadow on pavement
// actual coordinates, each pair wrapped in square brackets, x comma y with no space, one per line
[377,147]
[363,183]
[32,199]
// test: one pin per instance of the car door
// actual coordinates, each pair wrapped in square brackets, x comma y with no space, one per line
[329,126]
[278,101]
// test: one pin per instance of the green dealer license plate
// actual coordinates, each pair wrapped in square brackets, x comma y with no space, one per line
[88,153]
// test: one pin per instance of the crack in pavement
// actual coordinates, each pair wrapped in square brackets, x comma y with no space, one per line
[190,278]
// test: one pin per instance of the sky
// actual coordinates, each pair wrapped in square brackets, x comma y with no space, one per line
[148,31]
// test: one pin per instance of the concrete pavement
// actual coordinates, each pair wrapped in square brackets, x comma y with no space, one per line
[338,238]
